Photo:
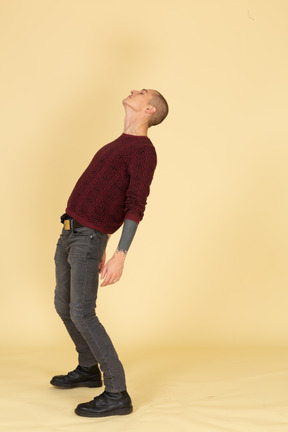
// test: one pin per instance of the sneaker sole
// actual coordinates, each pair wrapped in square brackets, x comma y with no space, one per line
[89,384]
[122,411]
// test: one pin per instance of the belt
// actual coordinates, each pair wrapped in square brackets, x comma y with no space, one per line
[69,223]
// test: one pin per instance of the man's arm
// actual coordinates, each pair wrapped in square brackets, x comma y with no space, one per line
[111,272]
[141,167]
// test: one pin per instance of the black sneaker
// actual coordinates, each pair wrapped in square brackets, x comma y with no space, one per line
[107,404]
[80,377]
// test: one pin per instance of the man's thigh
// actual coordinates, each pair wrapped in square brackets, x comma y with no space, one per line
[62,272]
[86,248]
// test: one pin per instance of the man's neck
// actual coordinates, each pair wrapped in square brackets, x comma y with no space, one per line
[132,127]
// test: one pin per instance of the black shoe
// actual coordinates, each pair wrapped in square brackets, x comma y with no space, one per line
[80,377]
[107,404]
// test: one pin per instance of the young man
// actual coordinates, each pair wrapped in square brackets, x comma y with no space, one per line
[112,191]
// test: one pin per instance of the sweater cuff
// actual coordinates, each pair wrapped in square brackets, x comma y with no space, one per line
[132,216]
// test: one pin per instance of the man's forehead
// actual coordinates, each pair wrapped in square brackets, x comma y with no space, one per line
[150,91]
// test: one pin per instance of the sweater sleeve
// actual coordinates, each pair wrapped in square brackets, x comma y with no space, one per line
[141,169]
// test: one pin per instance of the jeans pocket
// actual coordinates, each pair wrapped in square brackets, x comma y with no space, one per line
[94,248]
[83,244]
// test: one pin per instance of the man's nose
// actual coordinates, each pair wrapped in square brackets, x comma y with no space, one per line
[133,92]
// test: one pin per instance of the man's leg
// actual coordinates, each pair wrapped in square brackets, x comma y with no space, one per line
[85,248]
[62,301]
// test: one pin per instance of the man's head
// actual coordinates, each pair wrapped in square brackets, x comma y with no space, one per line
[148,103]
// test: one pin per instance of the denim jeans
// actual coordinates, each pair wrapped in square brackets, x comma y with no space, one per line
[77,258]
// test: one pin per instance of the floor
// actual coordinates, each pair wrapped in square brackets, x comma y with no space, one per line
[183,389]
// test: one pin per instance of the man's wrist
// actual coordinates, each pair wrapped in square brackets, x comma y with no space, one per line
[120,254]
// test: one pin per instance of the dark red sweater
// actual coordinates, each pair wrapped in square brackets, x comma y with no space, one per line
[115,185]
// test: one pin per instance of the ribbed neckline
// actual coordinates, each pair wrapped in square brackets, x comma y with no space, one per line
[135,136]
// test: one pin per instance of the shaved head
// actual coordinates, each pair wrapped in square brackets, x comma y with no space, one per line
[162,109]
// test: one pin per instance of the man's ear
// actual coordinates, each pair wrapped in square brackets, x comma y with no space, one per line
[150,109]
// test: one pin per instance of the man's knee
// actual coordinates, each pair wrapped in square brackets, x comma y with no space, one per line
[82,316]
[62,308]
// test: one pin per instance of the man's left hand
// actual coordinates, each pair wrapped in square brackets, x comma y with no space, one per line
[112,271]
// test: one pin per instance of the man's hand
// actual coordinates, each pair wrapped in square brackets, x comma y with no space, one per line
[111,272]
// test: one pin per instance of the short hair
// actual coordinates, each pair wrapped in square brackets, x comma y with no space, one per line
[162,109]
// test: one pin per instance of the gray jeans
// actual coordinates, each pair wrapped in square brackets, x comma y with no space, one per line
[77,258]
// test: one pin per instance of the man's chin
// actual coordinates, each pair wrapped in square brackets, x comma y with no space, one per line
[125,101]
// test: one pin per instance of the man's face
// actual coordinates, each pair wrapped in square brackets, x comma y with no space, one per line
[138,100]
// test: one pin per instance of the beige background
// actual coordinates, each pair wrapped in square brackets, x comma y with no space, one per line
[209,262]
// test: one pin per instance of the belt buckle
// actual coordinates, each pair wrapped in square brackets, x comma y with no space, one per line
[67,225]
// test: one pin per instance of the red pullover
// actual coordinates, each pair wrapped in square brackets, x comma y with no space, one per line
[115,185]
